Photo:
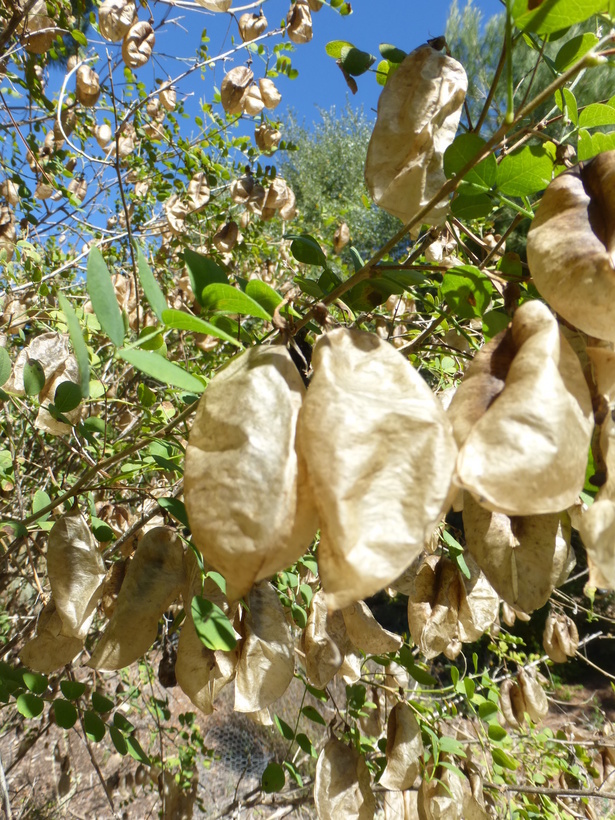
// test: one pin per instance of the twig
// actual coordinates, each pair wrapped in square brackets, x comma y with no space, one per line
[5,792]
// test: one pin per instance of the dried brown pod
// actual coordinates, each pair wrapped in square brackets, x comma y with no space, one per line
[226,237]
[67,372]
[115,17]
[8,232]
[523,455]
[325,642]
[234,88]
[252,102]
[103,135]
[512,704]
[269,93]
[403,750]
[267,138]
[523,558]
[570,248]
[37,30]
[198,191]
[433,606]
[88,86]
[266,663]
[277,194]
[176,211]
[418,114]
[49,349]
[10,192]
[315,5]
[49,650]
[535,699]
[341,237]
[246,493]
[342,786]
[252,26]
[597,531]
[299,23]
[138,44]
[366,633]
[448,796]
[76,573]
[168,97]
[288,211]
[560,637]
[241,189]
[215,5]
[363,390]
[154,579]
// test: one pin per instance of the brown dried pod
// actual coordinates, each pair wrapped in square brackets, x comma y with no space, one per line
[78,187]
[570,246]
[266,663]
[8,233]
[49,349]
[215,5]
[246,493]
[241,189]
[277,194]
[342,786]
[299,23]
[362,390]
[49,650]
[168,97]
[366,633]
[103,135]
[226,237]
[10,192]
[115,17]
[176,212]
[269,93]
[560,637]
[433,606]
[267,138]
[288,211]
[88,86]
[252,26]
[315,5]
[37,30]
[325,642]
[448,796]
[252,102]
[68,372]
[234,87]
[535,699]
[523,455]
[512,704]
[198,192]
[341,237]
[138,44]
[403,750]
[597,531]
[418,114]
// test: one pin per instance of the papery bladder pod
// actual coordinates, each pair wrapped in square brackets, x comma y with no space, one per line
[247,498]
[380,454]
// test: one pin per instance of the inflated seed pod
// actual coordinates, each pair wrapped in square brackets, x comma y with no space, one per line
[138,44]
[37,31]
[249,504]
[198,191]
[252,102]
[342,786]
[226,237]
[103,135]
[234,88]
[267,138]
[215,5]
[88,86]
[534,697]
[252,26]
[270,94]
[168,98]
[560,638]
[115,17]
[299,23]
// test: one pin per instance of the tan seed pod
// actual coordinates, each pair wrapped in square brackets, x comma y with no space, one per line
[103,135]
[168,98]
[88,86]
[8,233]
[241,189]
[288,211]
[10,192]
[478,605]
[403,750]
[215,5]
[418,114]
[362,389]
[433,606]
[448,796]
[341,237]
[49,349]
[115,17]
[76,573]
[138,44]
[511,703]
[277,194]
[226,237]
[252,26]
[315,5]
[154,579]
[534,697]
[266,663]
[198,192]
[560,637]
[523,558]
[569,251]
[234,87]
[37,31]
[269,93]
[176,212]
[68,372]
[342,786]
[399,805]
[366,633]
[252,102]
[522,455]
[267,138]
[49,650]
[78,187]
[248,501]
[325,642]
[299,23]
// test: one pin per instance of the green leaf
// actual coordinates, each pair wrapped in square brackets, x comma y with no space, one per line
[334,48]
[452,746]
[102,295]
[273,778]
[493,322]
[419,674]
[525,171]
[590,145]
[67,397]
[161,369]
[123,724]
[471,207]
[176,508]
[391,53]
[119,741]
[65,713]
[72,689]
[488,710]
[567,104]
[314,715]
[5,366]
[549,16]
[77,340]
[29,705]
[102,531]
[356,62]
[228,299]
[306,249]
[479,179]
[496,732]
[151,288]
[79,37]
[309,286]
[294,772]
[39,502]
[101,703]
[596,114]
[202,271]
[212,626]
[383,70]
[35,682]
[573,50]
[299,615]
[180,320]
[283,728]
[94,727]
[33,377]
[502,759]
[466,291]
[264,294]
[135,750]
[306,745]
